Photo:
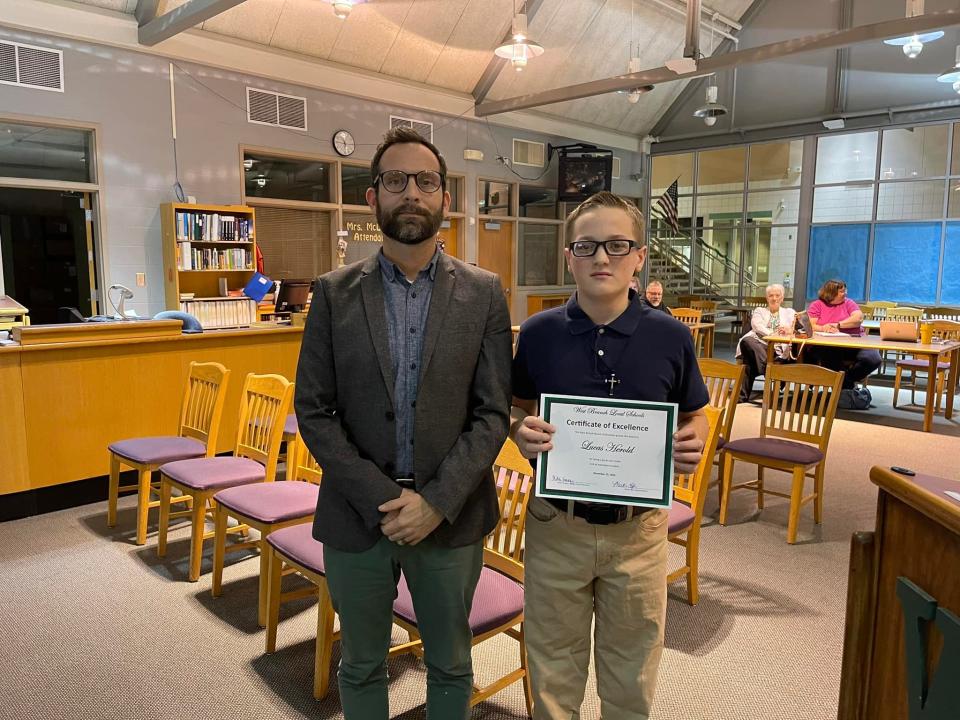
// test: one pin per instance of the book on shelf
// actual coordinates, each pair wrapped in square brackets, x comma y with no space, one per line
[221,312]
[204,258]
[213,227]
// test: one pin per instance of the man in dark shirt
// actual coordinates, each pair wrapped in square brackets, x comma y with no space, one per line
[595,561]
[653,296]
[403,399]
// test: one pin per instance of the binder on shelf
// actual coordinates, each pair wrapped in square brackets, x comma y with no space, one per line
[258,286]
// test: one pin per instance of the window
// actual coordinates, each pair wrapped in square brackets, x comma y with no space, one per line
[295,243]
[493,198]
[838,252]
[364,237]
[538,202]
[842,158]
[46,153]
[287,178]
[667,168]
[906,258]
[775,165]
[455,188]
[354,181]
[914,152]
[721,170]
[538,254]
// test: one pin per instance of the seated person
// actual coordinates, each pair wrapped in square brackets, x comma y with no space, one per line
[774,319]
[834,312]
[653,296]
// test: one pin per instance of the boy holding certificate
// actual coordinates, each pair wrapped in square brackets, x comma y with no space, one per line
[600,560]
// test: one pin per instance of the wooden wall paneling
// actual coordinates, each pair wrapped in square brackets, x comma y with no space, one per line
[14,465]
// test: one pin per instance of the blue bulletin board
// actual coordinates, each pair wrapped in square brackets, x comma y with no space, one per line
[838,252]
[906,259]
[950,288]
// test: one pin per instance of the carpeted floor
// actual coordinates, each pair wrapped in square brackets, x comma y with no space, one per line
[97,628]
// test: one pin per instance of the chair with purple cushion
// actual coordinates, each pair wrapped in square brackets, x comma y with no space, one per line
[263,409]
[200,413]
[945,330]
[686,512]
[266,507]
[723,380]
[799,405]
[498,601]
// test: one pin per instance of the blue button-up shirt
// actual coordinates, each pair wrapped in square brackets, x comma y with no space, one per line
[407,305]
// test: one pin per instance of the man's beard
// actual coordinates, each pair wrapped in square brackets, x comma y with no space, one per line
[416,227]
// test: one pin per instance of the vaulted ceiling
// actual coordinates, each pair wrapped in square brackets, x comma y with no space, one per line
[448,44]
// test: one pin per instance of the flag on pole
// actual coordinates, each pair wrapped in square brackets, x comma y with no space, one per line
[666,206]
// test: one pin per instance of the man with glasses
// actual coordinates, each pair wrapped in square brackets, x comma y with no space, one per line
[599,563]
[403,398]
[653,296]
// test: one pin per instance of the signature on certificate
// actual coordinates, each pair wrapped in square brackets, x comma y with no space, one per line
[557,480]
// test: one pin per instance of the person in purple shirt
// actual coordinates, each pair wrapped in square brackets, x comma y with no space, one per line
[834,312]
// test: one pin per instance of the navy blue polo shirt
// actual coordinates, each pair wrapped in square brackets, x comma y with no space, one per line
[562,351]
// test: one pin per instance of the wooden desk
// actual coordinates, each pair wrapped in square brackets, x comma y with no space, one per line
[932,352]
[917,537]
[63,403]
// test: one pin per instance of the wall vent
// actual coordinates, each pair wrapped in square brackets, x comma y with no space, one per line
[526,152]
[616,168]
[424,129]
[269,108]
[31,66]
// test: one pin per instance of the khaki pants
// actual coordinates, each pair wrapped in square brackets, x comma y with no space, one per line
[573,571]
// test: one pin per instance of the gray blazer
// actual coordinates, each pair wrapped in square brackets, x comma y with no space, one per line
[345,406]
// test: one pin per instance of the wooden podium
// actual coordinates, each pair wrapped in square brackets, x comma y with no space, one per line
[917,538]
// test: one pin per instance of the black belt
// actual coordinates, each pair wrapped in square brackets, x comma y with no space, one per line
[594,513]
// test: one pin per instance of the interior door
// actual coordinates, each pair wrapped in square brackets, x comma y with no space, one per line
[450,236]
[495,252]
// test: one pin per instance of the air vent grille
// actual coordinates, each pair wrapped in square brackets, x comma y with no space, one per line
[270,108]
[31,66]
[423,129]
[616,168]
[528,153]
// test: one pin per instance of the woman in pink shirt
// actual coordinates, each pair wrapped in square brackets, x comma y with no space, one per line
[834,312]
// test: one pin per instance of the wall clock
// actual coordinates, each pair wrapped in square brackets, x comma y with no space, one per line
[344,143]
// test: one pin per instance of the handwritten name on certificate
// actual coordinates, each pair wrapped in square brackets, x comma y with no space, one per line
[613,451]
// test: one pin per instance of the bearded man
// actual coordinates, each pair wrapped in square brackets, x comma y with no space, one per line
[403,397]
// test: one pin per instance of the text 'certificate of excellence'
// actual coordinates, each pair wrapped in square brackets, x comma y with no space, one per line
[611,451]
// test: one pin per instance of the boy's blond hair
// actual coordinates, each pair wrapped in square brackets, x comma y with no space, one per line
[607,200]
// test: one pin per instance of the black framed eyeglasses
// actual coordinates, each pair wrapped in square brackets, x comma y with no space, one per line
[396,180]
[613,248]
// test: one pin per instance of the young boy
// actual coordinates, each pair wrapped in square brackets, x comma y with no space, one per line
[593,560]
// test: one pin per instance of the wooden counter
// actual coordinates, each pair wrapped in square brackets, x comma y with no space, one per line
[917,538]
[62,403]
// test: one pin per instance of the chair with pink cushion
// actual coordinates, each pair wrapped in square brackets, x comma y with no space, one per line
[799,405]
[686,512]
[263,409]
[200,412]
[266,507]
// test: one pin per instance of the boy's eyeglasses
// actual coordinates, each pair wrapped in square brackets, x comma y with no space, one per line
[613,248]
[396,180]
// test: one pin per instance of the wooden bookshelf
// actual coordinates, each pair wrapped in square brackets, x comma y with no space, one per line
[201,244]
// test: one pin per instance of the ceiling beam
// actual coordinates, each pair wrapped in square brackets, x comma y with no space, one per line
[146,11]
[691,48]
[496,64]
[707,66]
[182,18]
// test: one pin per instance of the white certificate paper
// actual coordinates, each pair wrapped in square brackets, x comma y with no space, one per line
[606,450]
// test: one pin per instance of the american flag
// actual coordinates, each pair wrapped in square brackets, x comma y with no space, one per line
[666,207]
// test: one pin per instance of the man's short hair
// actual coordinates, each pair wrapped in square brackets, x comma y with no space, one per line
[655,282]
[399,135]
[607,200]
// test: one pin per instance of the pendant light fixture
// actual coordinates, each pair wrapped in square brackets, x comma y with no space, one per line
[913,44]
[953,74]
[342,8]
[711,110]
[520,48]
[634,66]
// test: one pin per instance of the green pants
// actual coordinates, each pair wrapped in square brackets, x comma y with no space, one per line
[363,587]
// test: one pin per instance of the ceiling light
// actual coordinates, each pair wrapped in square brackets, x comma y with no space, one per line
[520,48]
[261,181]
[913,44]
[248,163]
[953,74]
[712,109]
[633,95]
[342,8]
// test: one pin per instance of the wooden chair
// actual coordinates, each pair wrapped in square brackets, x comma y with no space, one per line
[946,330]
[724,380]
[904,314]
[200,412]
[501,577]
[879,309]
[263,409]
[704,306]
[686,513]
[799,405]
[941,313]
[266,507]
[690,318]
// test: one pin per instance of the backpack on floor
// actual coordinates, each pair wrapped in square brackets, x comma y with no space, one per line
[857,398]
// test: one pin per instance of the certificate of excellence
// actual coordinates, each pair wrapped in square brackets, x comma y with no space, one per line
[611,451]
